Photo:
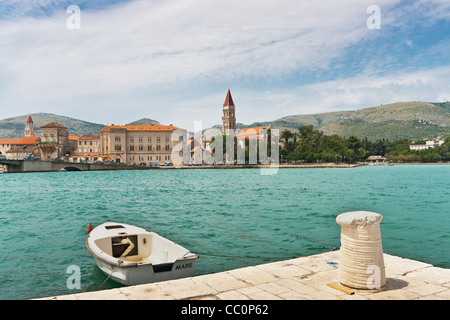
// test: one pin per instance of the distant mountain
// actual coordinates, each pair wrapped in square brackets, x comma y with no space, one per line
[14,127]
[145,122]
[402,120]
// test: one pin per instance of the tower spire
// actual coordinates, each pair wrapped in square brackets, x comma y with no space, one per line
[29,127]
[229,114]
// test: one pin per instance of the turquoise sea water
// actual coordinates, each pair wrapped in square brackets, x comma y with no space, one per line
[237,213]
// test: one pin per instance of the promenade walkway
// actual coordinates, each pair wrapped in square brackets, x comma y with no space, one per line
[306,278]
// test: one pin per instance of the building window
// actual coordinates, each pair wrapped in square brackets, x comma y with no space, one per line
[158,139]
[141,147]
[132,139]
[118,148]
[117,139]
[149,148]
[140,139]
[149,139]
[167,147]
[167,139]
[132,148]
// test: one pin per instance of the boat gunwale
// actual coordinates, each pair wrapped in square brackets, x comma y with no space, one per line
[126,264]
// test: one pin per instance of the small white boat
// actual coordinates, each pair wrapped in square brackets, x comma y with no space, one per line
[131,255]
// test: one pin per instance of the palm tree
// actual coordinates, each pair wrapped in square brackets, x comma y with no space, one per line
[295,135]
[286,135]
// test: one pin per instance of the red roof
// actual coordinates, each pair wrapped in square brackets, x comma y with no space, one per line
[29,120]
[141,128]
[228,99]
[90,137]
[21,141]
[54,125]
[29,140]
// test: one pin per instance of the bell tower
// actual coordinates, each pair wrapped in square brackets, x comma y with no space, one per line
[229,115]
[29,127]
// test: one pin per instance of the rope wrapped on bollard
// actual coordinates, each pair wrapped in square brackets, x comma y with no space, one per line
[361,263]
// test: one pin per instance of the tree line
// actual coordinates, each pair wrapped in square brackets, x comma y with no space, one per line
[310,145]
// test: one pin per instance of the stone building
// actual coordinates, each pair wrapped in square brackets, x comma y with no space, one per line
[54,141]
[88,146]
[18,148]
[137,144]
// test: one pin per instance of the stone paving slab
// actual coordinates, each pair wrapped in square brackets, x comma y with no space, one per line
[304,278]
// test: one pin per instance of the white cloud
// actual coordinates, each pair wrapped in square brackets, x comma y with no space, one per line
[147,43]
[350,94]
[114,67]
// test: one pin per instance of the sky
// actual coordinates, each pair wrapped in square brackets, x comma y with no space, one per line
[114,62]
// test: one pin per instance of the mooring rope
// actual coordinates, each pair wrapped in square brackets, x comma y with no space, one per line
[361,259]
[118,264]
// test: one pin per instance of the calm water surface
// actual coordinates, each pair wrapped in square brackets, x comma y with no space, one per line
[240,213]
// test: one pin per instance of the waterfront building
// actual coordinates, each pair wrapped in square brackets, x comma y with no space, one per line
[6,144]
[54,141]
[198,149]
[137,144]
[428,145]
[229,115]
[72,147]
[18,148]
[88,147]
[254,133]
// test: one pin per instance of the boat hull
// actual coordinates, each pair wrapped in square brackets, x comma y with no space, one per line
[132,256]
[142,274]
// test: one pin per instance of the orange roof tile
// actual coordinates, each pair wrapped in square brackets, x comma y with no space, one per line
[90,137]
[73,137]
[53,125]
[141,128]
[26,140]
[29,140]
[10,140]
[251,131]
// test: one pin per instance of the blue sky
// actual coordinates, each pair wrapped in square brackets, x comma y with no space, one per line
[174,60]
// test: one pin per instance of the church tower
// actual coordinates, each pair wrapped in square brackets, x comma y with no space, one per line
[229,115]
[29,127]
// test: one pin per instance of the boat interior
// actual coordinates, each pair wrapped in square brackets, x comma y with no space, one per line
[144,247]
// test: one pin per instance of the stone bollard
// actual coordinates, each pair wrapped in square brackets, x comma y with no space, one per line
[361,263]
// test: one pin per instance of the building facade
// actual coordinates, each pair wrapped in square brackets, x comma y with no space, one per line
[54,141]
[138,144]
[88,146]
[229,115]
[428,145]
[18,148]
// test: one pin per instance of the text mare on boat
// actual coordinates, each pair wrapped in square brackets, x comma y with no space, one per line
[131,255]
